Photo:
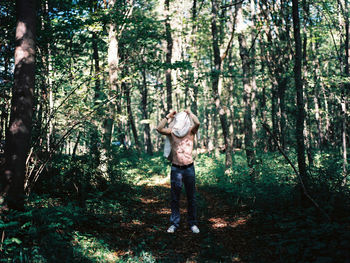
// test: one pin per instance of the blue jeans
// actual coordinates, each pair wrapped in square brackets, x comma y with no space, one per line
[187,177]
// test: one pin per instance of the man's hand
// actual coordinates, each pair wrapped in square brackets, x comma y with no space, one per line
[161,126]
[171,114]
[195,120]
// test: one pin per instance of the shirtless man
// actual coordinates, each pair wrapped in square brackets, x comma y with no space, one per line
[181,135]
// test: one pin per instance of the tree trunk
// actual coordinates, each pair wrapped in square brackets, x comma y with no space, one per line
[345,91]
[96,59]
[147,133]
[130,115]
[247,96]
[299,93]
[316,93]
[169,53]
[19,131]
[94,136]
[113,64]
[282,86]
[216,72]
[194,106]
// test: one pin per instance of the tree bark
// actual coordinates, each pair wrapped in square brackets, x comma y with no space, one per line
[113,70]
[147,133]
[345,91]
[216,72]
[130,115]
[248,90]
[194,106]
[299,92]
[19,131]
[169,54]
[94,136]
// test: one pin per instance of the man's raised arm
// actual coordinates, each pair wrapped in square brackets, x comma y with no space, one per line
[161,126]
[195,121]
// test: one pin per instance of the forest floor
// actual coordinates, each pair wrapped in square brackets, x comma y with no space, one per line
[227,235]
[126,220]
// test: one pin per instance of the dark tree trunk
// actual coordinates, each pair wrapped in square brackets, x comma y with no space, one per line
[345,92]
[282,86]
[130,115]
[147,133]
[248,125]
[194,106]
[215,86]
[274,106]
[169,54]
[299,91]
[19,131]
[96,59]
[247,96]
[94,137]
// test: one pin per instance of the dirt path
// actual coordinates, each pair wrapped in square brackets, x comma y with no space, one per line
[225,235]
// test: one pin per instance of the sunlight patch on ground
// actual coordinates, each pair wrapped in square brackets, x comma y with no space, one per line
[132,223]
[148,200]
[218,222]
[164,211]
[92,248]
[155,180]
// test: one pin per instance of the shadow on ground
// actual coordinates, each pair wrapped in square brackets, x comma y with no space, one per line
[130,226]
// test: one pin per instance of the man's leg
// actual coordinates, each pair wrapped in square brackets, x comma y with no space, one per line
[176,186]
[190,187]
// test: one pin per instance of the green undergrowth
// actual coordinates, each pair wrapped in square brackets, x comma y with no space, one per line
[290,228]
[62,224]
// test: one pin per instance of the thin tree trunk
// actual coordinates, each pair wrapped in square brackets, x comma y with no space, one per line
[130,115]
[344,93]
[20,126]
[252,73]
[194,105]
[96,59]
[48,97]
[274,107]
[169,53]
[216,72]
[282,86]
[344,127]
[147,133]
[307,132]
[94,136]
[299,91]
[319,122]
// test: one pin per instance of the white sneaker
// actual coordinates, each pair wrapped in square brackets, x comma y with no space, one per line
[171,229]
[194,229]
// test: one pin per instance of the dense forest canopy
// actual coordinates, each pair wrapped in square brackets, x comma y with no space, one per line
[268,80]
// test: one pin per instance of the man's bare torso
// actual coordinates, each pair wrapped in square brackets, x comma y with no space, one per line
[182,149]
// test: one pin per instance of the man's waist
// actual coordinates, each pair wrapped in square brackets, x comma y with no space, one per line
[182,166]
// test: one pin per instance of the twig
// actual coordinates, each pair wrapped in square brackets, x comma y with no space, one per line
[266,127]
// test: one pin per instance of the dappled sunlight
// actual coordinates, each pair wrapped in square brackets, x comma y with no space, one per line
[164,211]
[92,248]
[157,180]
[149,200]
[219,222]
[133,223]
